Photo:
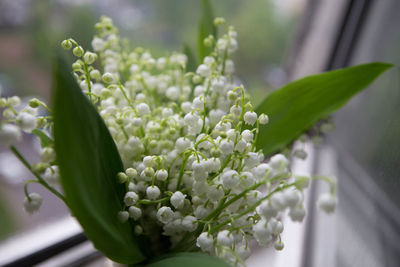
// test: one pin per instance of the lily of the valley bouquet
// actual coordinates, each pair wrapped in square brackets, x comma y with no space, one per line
[163,161]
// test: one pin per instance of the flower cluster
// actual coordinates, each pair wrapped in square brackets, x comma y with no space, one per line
[188,143]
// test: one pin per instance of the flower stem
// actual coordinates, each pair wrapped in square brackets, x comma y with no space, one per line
[39,178]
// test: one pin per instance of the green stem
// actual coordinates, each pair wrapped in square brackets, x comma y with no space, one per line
[87,78]
[181,171]
[26,188]
[250,209]
[40,179]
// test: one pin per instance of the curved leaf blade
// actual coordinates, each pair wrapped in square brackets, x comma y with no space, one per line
[189,259]
[206,28]
[300,104]
[89,161]
[191,59]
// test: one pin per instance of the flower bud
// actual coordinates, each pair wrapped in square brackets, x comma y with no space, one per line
[263,119]
[66,44]
[278,245]
[131,173]
[33,202]
[9,134]
[219,21]
[161,175]
[34,103]
[95,74]
[122,177]
[90,57]
[76,66]
[177,199]
[205,242]
[165,214]
[134,212]
[130,198]
[107,77]
[123,216]
[152,192]
[78,51]
[225,238]
[327,203]
[250,118]
[47,154]
[138,230]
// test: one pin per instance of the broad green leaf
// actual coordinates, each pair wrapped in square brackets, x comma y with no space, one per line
[206,28]
[89,162]
[191,59]
[189,259]
[44,139]
[300,104]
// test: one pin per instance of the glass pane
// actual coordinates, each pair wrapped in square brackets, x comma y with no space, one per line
[368,146]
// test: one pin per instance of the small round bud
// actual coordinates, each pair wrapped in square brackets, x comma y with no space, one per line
[14,101]
[327,203]
[208,41]
[9,134]
[196,79]
[66,44]
[263,119]
[162,175]
[123,216]
[34,103]
[205,242]
[189,223]
[33,202]
[40,167]
[278,245]
[78,51]
[177,199]
[165,214]
[134,212]
[98,44]
[3,101]
[138,230]
[76,66]
[232,96]
[219,21]
[203,70]
[95,74]
[250,117]
[122,177]
[131,173]
[152,192]
[225,238]
[90,57]
[236,111]
[143,109]
[297,214]
[247,135]
[47,154]
[130,198]
[107,77]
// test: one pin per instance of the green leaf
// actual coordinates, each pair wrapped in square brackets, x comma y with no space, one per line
[44,139]
[300,104]
[89,162]
[191,64]
[189,259]
[206,28]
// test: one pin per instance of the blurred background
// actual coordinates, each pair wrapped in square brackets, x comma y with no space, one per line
[279,41]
